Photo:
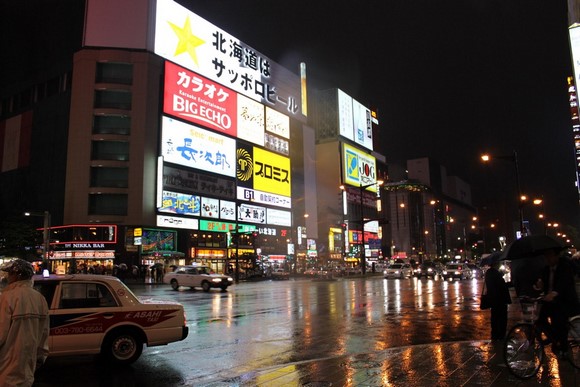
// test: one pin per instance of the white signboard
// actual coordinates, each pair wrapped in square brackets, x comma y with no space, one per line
[345,118]
[188,145]
[362,123]
[227,210]
[250,120]
[176,222]
[210,208]
[277,123]
[262,197]
[279,217]
[251,214]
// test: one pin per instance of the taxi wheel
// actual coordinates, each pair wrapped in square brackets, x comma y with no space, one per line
[123,346]
[205,286]
[174,284]
[224,288]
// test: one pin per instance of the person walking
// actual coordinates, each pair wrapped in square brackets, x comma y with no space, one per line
[24,326]
[499,297]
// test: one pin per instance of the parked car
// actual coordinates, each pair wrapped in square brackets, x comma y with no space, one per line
[428,269]
[280,274]
[98,314]
[398,270]
[197,276]
[457,270]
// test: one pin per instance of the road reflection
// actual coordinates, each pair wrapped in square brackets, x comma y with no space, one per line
[258,325]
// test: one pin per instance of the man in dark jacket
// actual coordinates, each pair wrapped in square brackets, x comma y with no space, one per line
[560,299]
[499,298]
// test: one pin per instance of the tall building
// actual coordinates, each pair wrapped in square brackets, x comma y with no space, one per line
[154,136]
[430,213]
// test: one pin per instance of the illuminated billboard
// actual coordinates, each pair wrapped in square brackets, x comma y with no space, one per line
[183,37]
[262,170]
[251,214]
[251,120]
[345,117]
[575,48]
[362,125]
[354,120]
[277,123]
[359,168]
[178,203]
[190,146]
[196,99]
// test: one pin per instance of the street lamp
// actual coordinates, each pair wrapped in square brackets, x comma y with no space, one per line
[45,236]
[513,158]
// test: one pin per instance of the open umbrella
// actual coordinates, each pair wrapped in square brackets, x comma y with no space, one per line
[530,246]
[488,260]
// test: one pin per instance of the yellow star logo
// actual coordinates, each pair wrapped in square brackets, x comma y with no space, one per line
[187,41]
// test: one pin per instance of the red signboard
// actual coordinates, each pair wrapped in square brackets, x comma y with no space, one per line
[196,99]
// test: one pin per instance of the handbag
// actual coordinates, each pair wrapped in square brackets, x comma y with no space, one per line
[485,302]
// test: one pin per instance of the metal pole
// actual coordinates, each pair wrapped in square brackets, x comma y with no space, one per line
[237,255]
[362,226]
[46,240]
[519,188]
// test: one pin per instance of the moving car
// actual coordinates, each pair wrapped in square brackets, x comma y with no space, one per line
[398,270]
[477,272]
[98,314]
[457,270]
[428,270]
[197,276]
[280,274]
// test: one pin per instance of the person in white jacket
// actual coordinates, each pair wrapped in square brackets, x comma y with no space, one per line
[24,326]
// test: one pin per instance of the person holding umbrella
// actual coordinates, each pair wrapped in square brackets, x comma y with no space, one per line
[499,297]
[557,282]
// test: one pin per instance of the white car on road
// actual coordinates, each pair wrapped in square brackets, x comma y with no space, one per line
[98,314]
[398,270]
[197,276]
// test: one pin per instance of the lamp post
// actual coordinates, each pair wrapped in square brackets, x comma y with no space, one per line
[513,158]
[45,235]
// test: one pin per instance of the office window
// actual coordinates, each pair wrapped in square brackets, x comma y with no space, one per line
[113,99]
[112,124]
[110,150]
[108,72]
[108,204]
[109,177]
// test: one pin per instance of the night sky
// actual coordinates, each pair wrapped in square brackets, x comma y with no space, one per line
[450,79]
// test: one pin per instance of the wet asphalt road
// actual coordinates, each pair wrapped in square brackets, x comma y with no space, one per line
[261,324]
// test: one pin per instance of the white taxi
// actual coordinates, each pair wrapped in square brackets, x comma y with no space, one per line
[197,276]
[97,314]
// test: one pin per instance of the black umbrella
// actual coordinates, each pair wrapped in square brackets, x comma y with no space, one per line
[530,246]
[490,259]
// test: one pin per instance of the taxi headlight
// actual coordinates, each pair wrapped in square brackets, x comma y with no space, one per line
[230,279]
[216,280]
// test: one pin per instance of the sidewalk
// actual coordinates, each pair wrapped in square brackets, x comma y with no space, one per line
[467,363]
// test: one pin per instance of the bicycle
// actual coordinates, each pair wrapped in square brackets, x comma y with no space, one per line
[524,344]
